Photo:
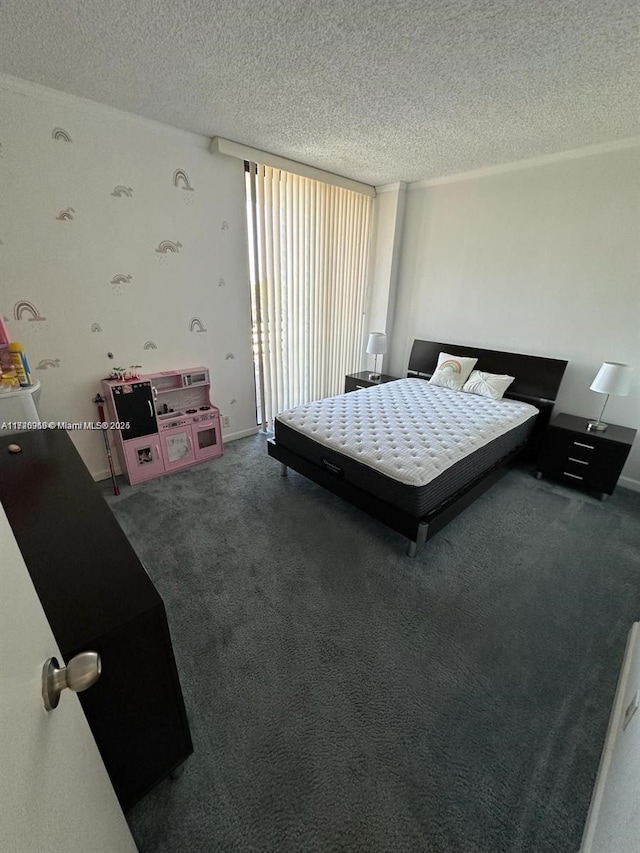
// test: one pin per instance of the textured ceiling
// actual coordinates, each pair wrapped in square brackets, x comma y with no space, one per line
[378,90]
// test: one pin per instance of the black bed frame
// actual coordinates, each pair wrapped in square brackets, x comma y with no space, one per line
[536,381]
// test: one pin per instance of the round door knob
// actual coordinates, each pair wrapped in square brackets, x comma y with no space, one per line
[80,673]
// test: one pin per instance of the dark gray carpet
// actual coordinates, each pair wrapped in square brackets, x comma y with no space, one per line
[343,697]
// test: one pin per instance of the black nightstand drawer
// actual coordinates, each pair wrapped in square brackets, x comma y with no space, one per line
[351,384]
[564,447]
[593,480]
[357,381]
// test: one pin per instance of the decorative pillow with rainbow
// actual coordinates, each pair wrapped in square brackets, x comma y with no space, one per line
[492,385]
[452,371]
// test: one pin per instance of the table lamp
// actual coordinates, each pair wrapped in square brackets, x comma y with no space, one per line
[377,346]
[612,378]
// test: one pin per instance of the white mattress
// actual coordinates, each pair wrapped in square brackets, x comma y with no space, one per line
[408,430]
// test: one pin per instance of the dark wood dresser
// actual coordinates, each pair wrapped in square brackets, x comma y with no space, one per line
[97,596]
[356,381]
[584,459]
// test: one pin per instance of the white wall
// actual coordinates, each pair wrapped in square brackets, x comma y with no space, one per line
[64,268]
[540,260]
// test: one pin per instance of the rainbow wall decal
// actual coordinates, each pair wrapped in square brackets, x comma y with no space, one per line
[60,134]
[150,345]
[48,362]
[180,176]
[122,192]
[451,365]
[224,226]
[66,214]
[168,246]
[222,282]
[196,325]
[229,356]
[96,327]
[121,279]
[21,309]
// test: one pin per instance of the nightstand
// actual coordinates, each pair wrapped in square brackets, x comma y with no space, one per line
[355,381]
[586,460]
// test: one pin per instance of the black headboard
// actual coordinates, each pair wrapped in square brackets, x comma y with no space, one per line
[536,381]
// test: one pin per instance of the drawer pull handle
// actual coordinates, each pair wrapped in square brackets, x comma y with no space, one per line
[581,444]
[575,476]
[579,461]
[361,387]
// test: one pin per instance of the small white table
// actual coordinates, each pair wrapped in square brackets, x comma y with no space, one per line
[20,406]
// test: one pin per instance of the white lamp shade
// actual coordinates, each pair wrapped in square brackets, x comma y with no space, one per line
[377,343]
[613,378]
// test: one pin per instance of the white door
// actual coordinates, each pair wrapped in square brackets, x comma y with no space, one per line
[613,825]
[54,789]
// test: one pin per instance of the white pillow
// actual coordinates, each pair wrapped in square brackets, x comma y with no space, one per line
[452,371]
[491,385]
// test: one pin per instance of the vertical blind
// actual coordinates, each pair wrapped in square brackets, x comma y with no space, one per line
[308,246]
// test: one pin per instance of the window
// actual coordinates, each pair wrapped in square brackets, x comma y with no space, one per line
[308,249]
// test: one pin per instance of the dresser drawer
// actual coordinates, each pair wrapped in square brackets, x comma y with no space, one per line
[351,384]
[356,381]
[588,451]
[593,481]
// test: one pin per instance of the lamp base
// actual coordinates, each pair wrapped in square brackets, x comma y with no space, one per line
[374,377]
[596,426]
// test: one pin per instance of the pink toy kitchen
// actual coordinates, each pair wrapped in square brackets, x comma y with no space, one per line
[167,422]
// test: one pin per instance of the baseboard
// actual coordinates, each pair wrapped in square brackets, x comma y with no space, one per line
[233,436]
[103,474]
[629,483]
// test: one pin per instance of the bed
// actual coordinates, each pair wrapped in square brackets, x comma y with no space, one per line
[414,455]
